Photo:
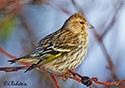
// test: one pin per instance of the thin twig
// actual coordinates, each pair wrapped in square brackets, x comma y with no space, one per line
[53,4]
[112,21]
[7,54]
[108,58]
[12,57]
[32,36]
[75,76]
[11,69]
[77,7]
[54,79]
[107,83]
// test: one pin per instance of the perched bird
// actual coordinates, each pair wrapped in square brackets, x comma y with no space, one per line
[62,50]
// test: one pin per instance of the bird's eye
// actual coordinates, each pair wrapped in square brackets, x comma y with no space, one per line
[81,22]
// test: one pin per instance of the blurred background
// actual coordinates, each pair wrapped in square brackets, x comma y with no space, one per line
[24,22]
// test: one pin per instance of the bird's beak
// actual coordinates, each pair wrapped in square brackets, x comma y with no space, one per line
[90,26]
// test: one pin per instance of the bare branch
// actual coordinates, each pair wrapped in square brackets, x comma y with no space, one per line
[11,69]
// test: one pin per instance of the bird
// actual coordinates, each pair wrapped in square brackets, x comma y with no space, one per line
[62,50]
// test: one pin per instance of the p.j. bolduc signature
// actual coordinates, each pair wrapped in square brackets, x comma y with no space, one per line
[13,83]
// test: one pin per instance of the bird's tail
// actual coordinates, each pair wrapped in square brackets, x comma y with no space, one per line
[20,59]
[14,61]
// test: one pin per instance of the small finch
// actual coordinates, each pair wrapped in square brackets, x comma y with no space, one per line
[62,50]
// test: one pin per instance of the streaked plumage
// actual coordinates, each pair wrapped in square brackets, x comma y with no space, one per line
[62,50]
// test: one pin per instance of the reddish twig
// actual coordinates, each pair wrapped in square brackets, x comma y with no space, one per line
[11,69]
[7,54]
[107,83]
[88,81]
[54,79]
[12,57]
[10,6]
[75,76]
[4,3]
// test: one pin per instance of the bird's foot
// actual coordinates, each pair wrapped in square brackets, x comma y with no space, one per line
[65,76]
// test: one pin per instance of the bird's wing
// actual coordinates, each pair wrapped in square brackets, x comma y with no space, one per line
[55,45]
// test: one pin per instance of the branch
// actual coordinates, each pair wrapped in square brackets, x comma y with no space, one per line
[108,58]
[107,83]
[11,69]
[77,7]
[89,81]
[54,79]
[113,21]
[7,54]
[53,4]
[85,80]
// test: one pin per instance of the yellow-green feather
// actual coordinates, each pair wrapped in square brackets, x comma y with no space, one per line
[29,60]
[50,58]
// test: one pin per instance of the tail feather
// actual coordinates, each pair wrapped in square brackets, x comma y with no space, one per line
[34,66]
[31,67]
[14,61]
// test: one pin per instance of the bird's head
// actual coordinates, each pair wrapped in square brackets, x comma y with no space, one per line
[77,23]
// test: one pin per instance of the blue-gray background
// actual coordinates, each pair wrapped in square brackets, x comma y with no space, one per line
[20,33]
